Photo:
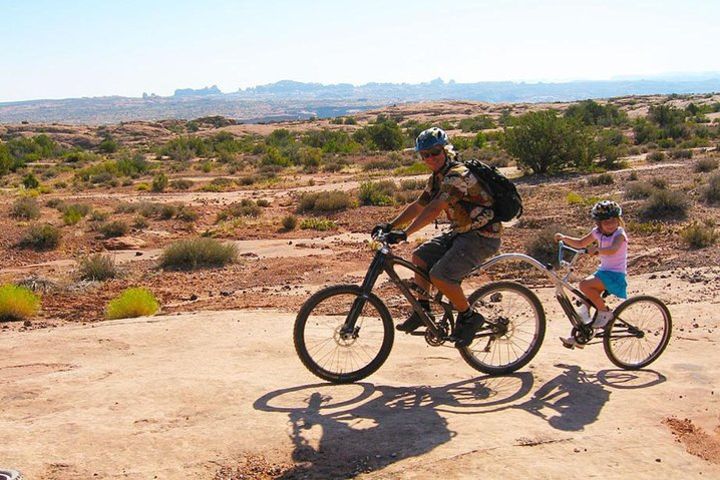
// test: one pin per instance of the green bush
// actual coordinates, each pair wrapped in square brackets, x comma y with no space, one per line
[244,208]
[665,204]
[187,214]
[289,222]
[545,143]
[30,181]
[41,237]
[263,203]
[25,208]
[656,157]
[638,190]
[659,183]
[116,228]
[198,253]
[324,202]
[181,184]
[699,236]
[477,123]
[17,303]
[710,193]
[705,165]
[384,135]
[167,211]
[319,224]
[681,153]
[132,303]
[72,214]
[602,179]
[97,267]
[160,183]
[377,193]
[590,112]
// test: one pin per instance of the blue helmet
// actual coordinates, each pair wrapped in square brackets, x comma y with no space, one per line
[430,138]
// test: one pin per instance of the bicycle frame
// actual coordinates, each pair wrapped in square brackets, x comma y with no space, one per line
[562,286]
[384,262]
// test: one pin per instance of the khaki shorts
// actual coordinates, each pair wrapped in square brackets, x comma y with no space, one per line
[452,256]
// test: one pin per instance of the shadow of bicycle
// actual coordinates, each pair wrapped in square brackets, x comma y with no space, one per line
[575,398]
[340,431]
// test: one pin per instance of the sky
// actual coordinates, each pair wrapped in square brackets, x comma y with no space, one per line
[78,48]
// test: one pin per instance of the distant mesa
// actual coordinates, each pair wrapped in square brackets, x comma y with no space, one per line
[199,92]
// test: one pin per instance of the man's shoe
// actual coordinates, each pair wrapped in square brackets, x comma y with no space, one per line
[411,324]
[466,327]
[570,342]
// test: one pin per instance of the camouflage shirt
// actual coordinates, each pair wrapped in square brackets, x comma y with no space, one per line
[468,200]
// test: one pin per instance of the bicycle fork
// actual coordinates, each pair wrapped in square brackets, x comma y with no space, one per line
[376,267]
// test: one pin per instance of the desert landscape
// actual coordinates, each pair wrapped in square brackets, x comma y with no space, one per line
[227,228]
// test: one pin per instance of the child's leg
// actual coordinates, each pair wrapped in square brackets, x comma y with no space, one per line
[593,287]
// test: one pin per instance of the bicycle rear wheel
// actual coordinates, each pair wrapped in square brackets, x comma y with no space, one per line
[639,332]
[513,332]
[333,355]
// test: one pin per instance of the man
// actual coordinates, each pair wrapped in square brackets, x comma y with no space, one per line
[473,238]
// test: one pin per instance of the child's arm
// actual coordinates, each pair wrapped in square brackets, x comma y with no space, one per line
[609,250]
[575,242]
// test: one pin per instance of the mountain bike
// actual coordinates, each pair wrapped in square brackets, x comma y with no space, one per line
[344,333]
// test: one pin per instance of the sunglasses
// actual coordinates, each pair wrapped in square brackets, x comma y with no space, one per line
[432,153]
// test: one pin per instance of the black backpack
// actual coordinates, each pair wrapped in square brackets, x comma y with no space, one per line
[507,203]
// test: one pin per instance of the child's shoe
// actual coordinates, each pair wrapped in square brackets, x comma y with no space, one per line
[570,342]
[584,314]
[602,318]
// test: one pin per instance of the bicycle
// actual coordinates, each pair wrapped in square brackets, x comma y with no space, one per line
[344,333]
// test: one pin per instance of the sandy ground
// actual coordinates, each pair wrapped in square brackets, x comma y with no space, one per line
[221,395]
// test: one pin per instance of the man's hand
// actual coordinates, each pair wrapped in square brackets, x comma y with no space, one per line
[396,236]
[381,227]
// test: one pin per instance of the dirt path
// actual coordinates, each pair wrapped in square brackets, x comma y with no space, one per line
[205,395]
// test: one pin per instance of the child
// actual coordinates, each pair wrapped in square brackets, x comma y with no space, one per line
[612,242]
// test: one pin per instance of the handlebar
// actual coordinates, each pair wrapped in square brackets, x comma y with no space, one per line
[576,252]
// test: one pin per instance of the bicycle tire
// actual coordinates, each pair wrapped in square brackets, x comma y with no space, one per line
[624,325]
[311,355]
[489,359]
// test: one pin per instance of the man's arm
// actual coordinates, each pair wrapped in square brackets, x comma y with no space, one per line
[427,215]
[407,215]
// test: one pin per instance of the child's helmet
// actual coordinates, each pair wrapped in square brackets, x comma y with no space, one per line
[430,138]
[605,209]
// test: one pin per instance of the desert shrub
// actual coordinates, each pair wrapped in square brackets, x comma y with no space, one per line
[247,180]
[197,253]
[659,183]
[17,303]
[656,157]
[263,203]
[383,135]
[160,183]
[116,228]
[377,193]
[244,208]
[25,208]
[319,224]
[99,215]
[543,246]
[131,303]
[545,143]
[697,235]
[139,223]
[475,124]
[72,214]
[682,153]
[412,184]
[710,193]
[187,214]
[41,237]
[323,202]
[30,181]
[602,179]
[644,228]
[665,204]
[331,141]
[417,168]
[108,145]
[97,267]
[167,211]
[181,184]
[705,165]
[289,222]
[574,198]
[638,190]
[590,112]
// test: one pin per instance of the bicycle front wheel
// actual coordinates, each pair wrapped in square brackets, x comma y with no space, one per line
[639,332]
[325,346]
[513,331]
